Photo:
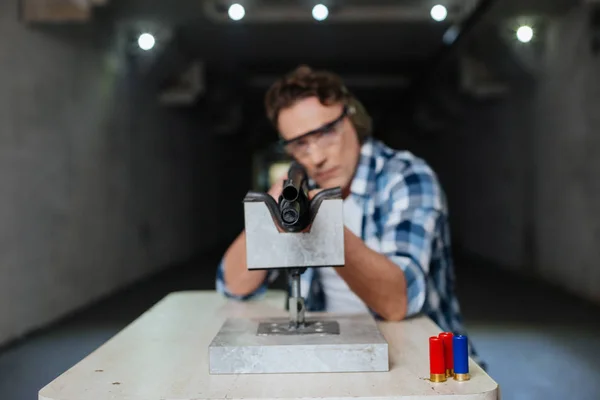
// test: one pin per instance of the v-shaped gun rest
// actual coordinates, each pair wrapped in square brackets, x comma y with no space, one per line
[268,248]
[322,245]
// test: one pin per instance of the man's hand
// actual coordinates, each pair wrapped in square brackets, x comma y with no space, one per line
[313,193]
[275,192]
[277,188]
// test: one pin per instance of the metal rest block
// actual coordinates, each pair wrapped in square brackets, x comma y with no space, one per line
[239,348]
[267,248]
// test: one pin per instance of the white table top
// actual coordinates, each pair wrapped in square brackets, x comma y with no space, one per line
[164,355]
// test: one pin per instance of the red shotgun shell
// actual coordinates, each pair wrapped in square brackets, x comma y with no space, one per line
[437,365]
[448,354]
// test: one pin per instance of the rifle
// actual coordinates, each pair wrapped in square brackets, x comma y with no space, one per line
[294,205]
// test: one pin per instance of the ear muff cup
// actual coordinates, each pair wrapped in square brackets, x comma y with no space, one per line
[359,117]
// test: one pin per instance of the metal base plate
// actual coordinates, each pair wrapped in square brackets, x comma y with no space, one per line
[309,328]
[239,348]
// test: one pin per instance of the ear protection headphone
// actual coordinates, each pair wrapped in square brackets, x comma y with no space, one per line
[358,115]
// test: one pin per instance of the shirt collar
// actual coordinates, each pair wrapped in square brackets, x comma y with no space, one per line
[363,181]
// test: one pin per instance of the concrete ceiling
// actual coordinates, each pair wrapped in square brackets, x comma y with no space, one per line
[407,35]
[386,29]
[389,48]
[400,42]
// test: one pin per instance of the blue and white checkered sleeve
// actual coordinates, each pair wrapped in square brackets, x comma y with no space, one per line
[221,285]
[409,217]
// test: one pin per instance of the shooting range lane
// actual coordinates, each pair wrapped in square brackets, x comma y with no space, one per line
[164,355]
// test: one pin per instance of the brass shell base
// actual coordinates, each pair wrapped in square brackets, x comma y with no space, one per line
[461,377]
[437,378]
[449,373]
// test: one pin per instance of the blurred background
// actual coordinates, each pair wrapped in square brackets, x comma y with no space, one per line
[130,131]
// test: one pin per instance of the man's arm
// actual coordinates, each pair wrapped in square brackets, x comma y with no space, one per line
[240,281]
[392,282]
[374,278]
[233,277]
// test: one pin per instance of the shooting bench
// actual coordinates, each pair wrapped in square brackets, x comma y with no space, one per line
[164,355]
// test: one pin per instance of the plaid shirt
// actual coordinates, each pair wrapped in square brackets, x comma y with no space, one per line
[405,217]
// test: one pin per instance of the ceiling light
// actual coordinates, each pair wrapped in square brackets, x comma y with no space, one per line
[320,12]
[439,13]
[146,41]
[525,34]
[236,12]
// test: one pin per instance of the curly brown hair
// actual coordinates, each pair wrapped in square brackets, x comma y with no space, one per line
[304,82]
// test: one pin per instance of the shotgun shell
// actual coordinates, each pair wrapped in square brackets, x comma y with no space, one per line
[437,367]
[448,355]
[460,346]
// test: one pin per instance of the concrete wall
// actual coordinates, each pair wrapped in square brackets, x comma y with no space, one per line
[523,173]
[567,158]
[493,202]
[100,186]
[484,164]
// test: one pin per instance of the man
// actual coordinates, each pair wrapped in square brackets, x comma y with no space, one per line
[396,235]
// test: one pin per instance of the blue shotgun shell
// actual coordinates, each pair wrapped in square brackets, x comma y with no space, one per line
[460,347]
